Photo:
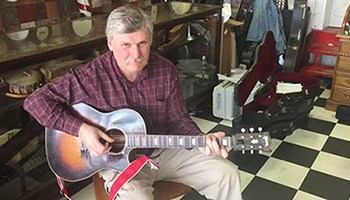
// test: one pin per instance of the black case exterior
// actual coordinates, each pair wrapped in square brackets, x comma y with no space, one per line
[343,113]
[280,114]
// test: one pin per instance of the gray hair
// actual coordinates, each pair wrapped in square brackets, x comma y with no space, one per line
[127,19]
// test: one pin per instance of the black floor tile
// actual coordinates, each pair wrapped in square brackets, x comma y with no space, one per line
[247,162]
[326,186]
[320,91]
[205,112]
[319,126]
[295,154]
[326,83]
[338,147]
[261,189]
[320,102]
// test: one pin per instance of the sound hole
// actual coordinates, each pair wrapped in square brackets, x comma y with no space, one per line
[119,140]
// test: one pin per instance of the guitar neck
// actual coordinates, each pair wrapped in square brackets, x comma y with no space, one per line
[171,141]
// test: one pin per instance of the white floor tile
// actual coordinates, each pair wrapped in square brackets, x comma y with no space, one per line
[283,172]
[204,125]
[273,146]
[323,114]
[326,94]
[300,195]
[341,131]
[332,164]
[245,179]
[226,122]
[307,139]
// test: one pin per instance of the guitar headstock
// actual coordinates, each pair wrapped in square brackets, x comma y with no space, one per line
[252,141]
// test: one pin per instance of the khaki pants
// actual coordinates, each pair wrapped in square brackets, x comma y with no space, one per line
[212,176]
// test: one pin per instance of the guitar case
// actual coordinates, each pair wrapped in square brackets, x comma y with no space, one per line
[343,113]
[280,113]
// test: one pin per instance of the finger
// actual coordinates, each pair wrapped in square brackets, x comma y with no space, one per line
[219,134]
[107,148]
[224,152]
[215,146]
[209,147]
[106,137]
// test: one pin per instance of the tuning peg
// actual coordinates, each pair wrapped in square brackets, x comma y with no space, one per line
[260,151]
[243,151]
[243,130]
[260,129]
[251,129]
[252,151]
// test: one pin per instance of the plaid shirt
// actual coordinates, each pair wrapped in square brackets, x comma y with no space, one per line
[101,85]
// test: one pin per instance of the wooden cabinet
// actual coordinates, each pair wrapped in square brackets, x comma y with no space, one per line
[29,177]
[340,94]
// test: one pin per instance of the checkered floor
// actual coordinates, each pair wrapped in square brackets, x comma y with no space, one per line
[311,164]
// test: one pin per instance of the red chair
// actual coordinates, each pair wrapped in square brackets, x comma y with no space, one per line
[322,42]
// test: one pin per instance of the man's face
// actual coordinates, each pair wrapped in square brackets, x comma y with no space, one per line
[131,50]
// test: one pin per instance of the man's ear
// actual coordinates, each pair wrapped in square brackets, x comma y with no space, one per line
[109,43]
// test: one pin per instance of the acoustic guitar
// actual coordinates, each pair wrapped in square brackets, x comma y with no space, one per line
[69,158]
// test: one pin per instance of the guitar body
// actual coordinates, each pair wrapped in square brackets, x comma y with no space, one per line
[68,157]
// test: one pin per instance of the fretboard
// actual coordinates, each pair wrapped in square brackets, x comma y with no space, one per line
[171,141]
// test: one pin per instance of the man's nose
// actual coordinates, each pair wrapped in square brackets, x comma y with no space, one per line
[135,52]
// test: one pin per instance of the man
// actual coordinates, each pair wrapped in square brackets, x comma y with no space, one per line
[129,75]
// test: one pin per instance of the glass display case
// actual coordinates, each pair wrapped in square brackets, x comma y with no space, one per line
[187,34]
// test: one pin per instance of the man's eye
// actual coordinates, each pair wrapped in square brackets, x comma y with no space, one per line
[143,43]
[126,45]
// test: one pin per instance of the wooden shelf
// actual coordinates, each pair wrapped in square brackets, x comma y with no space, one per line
[29,51]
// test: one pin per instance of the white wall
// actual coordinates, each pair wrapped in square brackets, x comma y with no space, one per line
[320,13]
[326,13]
[338,11]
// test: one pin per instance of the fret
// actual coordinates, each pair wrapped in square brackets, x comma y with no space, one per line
[148,141]
[137,140]
[128,141]
[230,144]
[175,141]
[144,141]
[161,141]
[165,144]
[187,142]
[131,139]
[152,141]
